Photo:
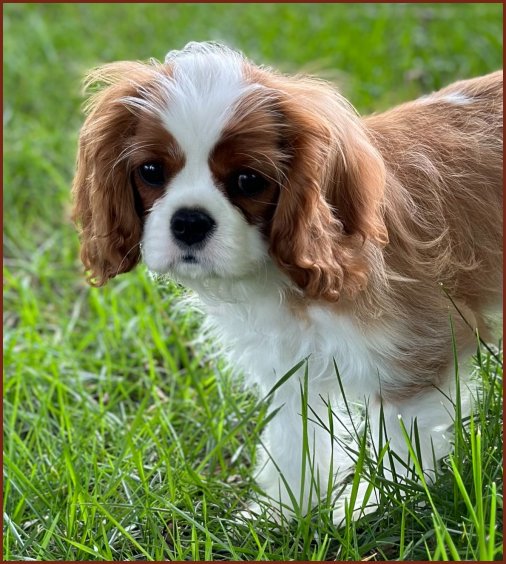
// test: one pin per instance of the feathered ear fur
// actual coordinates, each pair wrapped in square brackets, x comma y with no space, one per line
[104,200]
[329,210]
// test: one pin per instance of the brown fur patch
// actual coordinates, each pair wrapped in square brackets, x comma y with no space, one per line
[252,140]
[153,143]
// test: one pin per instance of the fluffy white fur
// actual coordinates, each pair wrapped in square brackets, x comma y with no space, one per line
[264,339]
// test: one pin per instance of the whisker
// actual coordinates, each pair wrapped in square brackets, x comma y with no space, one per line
[118,270]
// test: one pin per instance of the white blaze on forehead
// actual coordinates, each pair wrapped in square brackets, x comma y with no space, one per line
[194,104]
[205,86]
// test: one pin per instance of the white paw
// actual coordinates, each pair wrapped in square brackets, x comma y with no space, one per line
[365,502]
[252,511]
[266,511]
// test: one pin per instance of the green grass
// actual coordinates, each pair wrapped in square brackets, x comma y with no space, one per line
[124,438]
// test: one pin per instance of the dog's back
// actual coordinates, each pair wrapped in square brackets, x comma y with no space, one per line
[444,157]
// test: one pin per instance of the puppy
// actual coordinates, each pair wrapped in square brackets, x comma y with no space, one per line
[364,244]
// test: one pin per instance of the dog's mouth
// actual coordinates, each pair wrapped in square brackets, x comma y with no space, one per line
[189,259]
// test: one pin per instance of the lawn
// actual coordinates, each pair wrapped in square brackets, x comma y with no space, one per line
[124,437]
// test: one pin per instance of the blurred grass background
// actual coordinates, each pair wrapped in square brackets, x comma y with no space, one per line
[113,418]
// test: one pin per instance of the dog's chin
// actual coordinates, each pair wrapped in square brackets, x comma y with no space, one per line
[186,267]
[192,267]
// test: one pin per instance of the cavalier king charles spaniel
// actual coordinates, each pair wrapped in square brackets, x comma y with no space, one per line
[371,247]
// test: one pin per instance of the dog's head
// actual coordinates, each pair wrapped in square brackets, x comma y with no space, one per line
[209,165]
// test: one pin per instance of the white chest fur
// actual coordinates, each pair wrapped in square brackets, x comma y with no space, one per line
[264,337]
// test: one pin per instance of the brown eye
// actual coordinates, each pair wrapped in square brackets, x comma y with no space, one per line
[152,174]
[247,183]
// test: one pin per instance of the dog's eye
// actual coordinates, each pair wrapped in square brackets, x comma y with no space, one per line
[249,183]
[153,174]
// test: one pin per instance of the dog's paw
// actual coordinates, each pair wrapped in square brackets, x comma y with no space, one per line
[366,502]
[265,511]
[252,512]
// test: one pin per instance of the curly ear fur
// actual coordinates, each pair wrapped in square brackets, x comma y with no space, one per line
[329,209]
[104,201]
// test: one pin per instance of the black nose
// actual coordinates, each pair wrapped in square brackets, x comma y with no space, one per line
[191,226]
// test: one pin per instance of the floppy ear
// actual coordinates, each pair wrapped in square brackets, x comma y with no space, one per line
[329,209]
[104,199]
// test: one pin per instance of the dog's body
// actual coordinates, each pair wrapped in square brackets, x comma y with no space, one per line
[306,232]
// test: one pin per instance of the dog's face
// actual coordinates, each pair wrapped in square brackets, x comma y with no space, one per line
[211,193]
[213,166]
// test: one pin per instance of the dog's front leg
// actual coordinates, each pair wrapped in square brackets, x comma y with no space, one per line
[301,456]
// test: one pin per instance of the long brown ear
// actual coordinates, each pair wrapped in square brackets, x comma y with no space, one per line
[329,210]
[104,201]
